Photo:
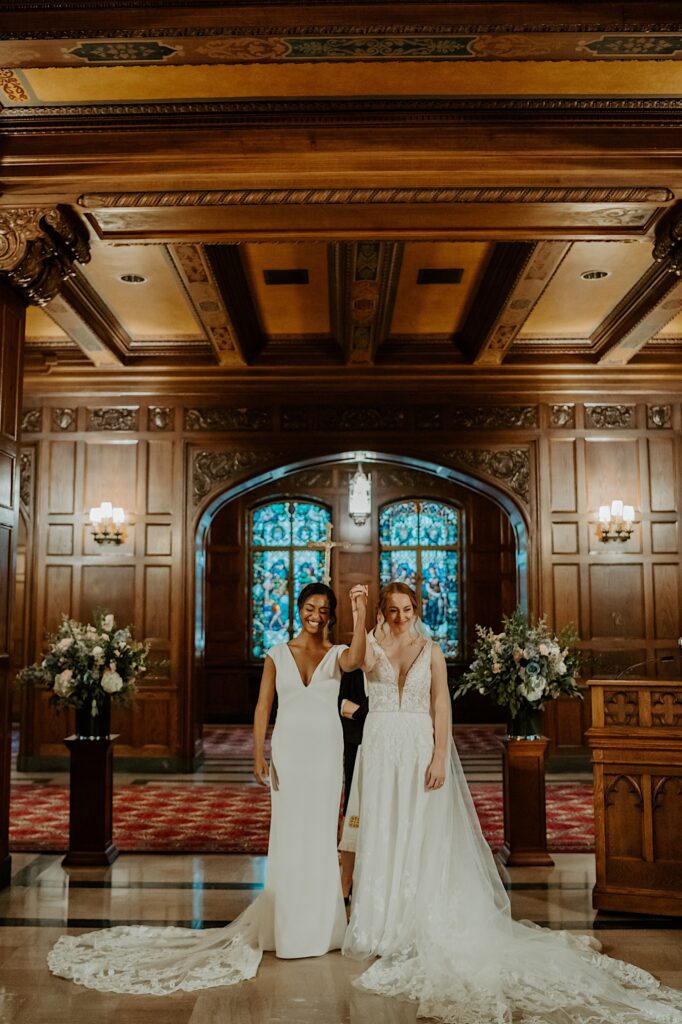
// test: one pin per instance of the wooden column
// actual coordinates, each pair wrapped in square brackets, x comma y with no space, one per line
[525,824]
[91,798]
[636,742]
[12,311]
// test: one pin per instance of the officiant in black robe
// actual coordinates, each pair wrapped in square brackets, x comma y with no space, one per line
[353,708]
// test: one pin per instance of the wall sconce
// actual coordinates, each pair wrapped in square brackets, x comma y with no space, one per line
[107,524]
[616,521]
[359,496]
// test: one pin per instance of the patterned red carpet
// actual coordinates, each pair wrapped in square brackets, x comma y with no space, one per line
[233,816]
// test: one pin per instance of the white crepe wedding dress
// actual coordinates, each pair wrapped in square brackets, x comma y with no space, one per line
[429,902]
[300,912]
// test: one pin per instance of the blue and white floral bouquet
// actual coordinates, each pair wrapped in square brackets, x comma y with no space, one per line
[524,665]
[86,664]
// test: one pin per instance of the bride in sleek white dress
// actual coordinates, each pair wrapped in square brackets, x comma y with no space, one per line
[427,898]
[300,912]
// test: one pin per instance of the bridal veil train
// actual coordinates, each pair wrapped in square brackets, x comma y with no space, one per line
[430,903]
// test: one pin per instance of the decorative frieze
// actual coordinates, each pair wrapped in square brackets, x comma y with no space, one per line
[562,416]
[362,417]
[509,466]
[500,417]
[428,417]
[63,419]
[26,458]
[220,418]
[210,468]
[38,247]
[118,418]
[659,417]
[295,417]
[610,417]
[159,417]
[367,196]
[31,421]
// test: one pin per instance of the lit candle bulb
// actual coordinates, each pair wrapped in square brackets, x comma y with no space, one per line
[106,510]
[118,516]
[617,509]
[628,514]
[604,514]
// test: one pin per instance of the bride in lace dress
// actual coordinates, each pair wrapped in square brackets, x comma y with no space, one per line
[427,898]
[300,912]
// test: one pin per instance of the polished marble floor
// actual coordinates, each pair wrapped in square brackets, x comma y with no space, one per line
[45,900]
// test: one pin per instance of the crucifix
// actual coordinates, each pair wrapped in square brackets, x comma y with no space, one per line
[326,545]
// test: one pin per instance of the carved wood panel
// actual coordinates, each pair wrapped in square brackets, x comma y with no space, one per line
[11,346]
[622,598]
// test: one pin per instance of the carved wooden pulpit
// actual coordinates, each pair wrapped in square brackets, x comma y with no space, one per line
[636,741]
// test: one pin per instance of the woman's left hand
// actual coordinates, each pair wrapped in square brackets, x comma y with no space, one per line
[358,596]
[435,774]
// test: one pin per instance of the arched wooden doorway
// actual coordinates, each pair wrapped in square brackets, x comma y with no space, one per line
[495,560]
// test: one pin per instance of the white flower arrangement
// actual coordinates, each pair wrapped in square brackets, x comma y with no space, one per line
[86,664]
[524,665]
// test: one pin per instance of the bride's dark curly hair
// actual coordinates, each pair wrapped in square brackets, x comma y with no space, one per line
[319,588]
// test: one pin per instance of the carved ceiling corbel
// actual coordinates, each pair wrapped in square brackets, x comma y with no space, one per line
[38,248]
[668,247]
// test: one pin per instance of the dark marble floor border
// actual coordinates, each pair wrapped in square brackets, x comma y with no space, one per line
[643,925]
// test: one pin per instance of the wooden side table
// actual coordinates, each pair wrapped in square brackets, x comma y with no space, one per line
[91,799]
[525,822]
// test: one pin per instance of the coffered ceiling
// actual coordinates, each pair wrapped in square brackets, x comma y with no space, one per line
[434,187]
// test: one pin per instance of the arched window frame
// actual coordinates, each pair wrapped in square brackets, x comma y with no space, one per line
[453,651]
[289,551]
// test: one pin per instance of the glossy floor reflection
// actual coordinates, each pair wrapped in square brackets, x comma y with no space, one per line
[201,891]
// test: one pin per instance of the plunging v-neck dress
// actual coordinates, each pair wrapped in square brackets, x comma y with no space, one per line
[300,912]
[397,748]
[307,777]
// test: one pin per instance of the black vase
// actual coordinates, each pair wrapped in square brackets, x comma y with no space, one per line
[526,724]
[94,727]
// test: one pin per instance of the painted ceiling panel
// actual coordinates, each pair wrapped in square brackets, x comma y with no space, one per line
[155,309]
[385,78]
[41,328]
[289,309]
[571,307]
[673,329]
[437,308]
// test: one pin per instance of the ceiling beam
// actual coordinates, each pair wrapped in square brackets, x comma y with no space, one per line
[89,322]
[650,304]
[226,265]
[191,262]
[516,277]
[363,283]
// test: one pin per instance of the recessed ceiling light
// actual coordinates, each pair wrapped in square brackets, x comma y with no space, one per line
[439,275]
[132,278]
[296,275]
[594,275]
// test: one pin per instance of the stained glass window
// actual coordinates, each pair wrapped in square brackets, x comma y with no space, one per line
[281,565]
[420,545]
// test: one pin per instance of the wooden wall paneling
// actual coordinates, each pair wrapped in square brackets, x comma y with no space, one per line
[12,312]
[662,474]
[160,473]
[562,471]
[109,586]
[157,604]
[625,618]
[61,469]
[666,600]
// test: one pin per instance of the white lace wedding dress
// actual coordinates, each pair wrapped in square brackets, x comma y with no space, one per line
[300,912]
[428,900]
